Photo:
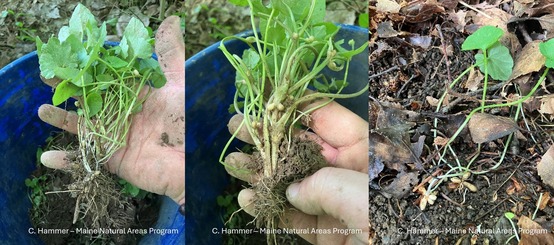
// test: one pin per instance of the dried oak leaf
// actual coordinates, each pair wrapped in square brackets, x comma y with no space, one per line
[484,127]
[547,105]
[532,233]
[547,24]
[401,185]
[545,168]
[528,61]
[541,7]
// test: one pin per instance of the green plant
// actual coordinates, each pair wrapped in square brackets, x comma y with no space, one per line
[105,80]
[273,76]
[131,190]
[109,83]
[510,216]
[495,60]
[36,184]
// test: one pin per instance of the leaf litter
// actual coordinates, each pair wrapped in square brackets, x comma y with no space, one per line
[500,145]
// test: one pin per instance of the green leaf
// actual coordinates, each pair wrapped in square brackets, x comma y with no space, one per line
[137,39]
[29,183]
[500,62]
[79,20]
[94,103]
[547,50]
[509,215]
[241,3]
[133,190]
[56,55]
[363,20]
[116,62]
[83,80]
[250,58]
[64,91]
[158,79]
[483,38]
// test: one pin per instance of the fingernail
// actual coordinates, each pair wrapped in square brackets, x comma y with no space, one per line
[292,191]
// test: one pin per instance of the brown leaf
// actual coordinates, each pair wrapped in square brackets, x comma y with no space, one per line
[547,23]
[547,105]
[545,168]
[459,19]
[474,79]
[544,201]
[484,127]
[528,61]
[420,11]
[532,233]
[387,6]
[402,184]
[541,7]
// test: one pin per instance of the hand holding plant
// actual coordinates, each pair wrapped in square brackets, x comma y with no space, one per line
[333,197]
[153,158]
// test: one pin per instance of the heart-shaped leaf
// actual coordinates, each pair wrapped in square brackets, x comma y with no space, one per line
[94,103]
[499,62]
[547,50]
[483,38]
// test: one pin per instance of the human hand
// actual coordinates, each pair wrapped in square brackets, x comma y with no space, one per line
[154,158]
[334,197]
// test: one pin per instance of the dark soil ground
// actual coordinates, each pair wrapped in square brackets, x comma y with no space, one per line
[413,57]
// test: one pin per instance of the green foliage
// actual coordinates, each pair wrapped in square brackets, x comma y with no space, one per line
[105,80]
[131,190]
[547,50]
[500,62]
[36,184]
[483,38]
[363,20]
[495,59]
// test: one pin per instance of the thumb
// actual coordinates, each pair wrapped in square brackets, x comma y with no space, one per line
[340,193]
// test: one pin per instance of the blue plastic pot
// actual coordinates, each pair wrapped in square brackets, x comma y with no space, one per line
[21,133]
[209,90]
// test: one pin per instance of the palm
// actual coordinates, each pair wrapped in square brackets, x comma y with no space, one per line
[153,159]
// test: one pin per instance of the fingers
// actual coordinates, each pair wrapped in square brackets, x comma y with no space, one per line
[343,130]
[340,193]
[55,159]
[58,117]
[242,134]
[238,164]
[170,48]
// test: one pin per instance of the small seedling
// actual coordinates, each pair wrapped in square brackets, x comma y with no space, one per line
[510,216]
[131,190]
[461,183]
[494,60]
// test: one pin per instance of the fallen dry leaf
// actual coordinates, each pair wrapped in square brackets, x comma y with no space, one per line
[385,30]
[387,6]
[541,7]
[401,185]
[545,168]
[547,23]
[484,127]
[531,233]
[459,19]
[474,79]
[529,60]
[547,105]
[420,10]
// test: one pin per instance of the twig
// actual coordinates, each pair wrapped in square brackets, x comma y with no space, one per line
[383,72]
[474,9]
[404,86]
[468,96]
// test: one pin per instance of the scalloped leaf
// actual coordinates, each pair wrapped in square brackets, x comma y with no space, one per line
[483,38]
